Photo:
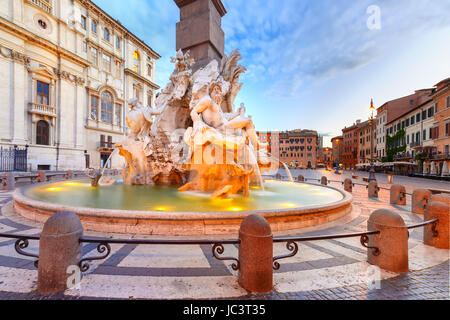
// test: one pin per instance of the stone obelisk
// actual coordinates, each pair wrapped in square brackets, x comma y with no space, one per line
[200,30]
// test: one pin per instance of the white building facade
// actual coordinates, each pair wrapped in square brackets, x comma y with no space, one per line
[67,69]
[417,125]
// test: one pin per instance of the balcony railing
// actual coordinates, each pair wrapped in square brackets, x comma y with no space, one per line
[440,156]
[106,145]
[415,144]
[42,109]
[43,4]
[401,156]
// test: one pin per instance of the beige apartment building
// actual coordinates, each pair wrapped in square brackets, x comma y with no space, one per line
[67,69]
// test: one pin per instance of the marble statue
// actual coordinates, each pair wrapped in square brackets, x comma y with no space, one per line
[194,138]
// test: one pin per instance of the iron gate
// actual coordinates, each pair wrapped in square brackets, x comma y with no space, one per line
[13,159]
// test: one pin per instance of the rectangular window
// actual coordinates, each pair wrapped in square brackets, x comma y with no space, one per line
[418,117]
[137,93]
[106,34]
[418,137]
[412,120]
[84,46]
[407,139]
[435,133]
[424,135]
[118,114]
[407,122]
[106,63]
[83,22]
[424,115]
[106,111]
[93,56]
[94,108]
[430,112]
[149,70]
[448,102]
[94,26]
[42,93]
[447,129]
[117,42]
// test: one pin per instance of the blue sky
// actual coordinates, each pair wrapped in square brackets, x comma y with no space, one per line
[313,64]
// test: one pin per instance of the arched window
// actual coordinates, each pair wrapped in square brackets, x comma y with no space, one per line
[106,110]
[136,62]
[42,133]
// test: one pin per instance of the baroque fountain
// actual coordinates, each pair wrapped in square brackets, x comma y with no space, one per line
[193,165]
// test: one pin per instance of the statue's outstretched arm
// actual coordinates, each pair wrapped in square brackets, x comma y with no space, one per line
[232,115]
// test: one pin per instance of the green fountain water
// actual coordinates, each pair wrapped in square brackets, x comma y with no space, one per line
[276,195]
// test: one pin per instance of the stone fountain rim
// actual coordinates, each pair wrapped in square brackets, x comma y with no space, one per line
[19,197]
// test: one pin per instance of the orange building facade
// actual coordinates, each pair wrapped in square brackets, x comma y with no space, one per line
[364,142]
[350,153]
[296,148]
[441,126]
[337,147]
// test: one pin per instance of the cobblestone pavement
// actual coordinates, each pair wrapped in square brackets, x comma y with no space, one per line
[326,269]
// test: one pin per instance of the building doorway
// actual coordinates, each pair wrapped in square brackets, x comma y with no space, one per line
[104,160]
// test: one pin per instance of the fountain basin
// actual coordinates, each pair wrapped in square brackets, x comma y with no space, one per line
[163,211]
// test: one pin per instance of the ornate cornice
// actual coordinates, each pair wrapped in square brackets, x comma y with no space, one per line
[31,37]
[217,3]
[79,81]
[14,55]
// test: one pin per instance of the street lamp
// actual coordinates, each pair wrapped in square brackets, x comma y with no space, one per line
[372,170]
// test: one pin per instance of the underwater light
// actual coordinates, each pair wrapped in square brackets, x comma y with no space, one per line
[54,189]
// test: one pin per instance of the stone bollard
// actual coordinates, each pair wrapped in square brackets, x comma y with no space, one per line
[419,202]
[392,241]
[300,178]
[440,239]
[69,175]
[8,181]
[42,177]
[324,181]
[348,185]
[398,195]
[255,255]
[441,197]
[59,248]
[372,188]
